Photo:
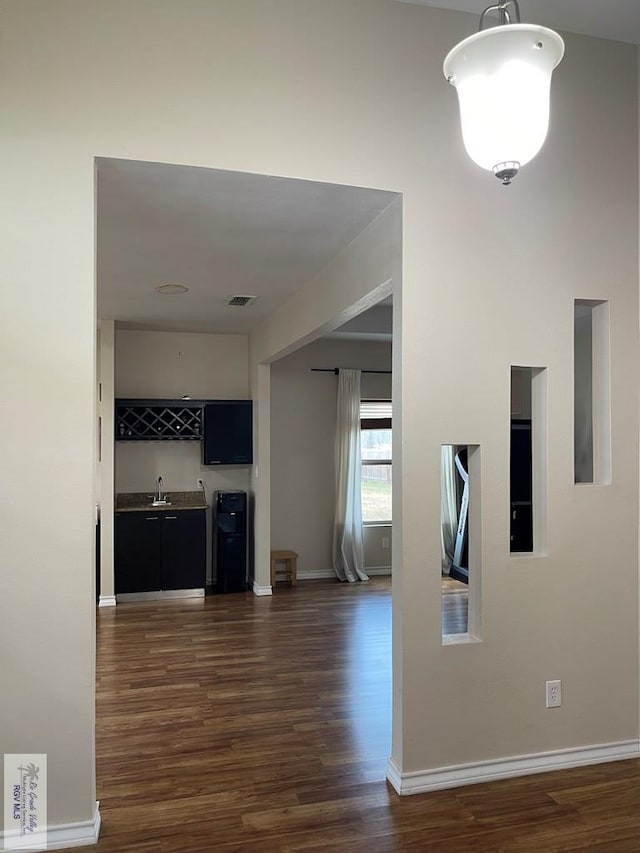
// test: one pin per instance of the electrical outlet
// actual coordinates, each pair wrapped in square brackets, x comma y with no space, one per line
[554,694]
[200,483]
[385,543]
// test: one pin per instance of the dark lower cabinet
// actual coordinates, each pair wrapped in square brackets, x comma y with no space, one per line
[160,550]
[521,482]
[138,551]
[521,527]
[183,550]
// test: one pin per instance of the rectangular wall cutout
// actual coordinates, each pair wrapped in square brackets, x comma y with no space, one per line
[460,531]
[528,461]
[591,392]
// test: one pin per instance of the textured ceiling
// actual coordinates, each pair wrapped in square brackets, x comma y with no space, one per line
[218,233]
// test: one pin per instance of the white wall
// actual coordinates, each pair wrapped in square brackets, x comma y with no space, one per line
[488,280]
[303,414]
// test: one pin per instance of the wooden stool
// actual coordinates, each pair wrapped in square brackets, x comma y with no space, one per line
[290,566]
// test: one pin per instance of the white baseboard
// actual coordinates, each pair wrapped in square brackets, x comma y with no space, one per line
[320,574]
[66,835]
[420,781]
[107,601]
[329,574]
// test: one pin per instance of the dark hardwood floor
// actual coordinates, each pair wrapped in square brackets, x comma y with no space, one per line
[455,606]
[236,723]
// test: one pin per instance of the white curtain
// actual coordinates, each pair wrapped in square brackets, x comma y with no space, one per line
[449,509]
[348,548]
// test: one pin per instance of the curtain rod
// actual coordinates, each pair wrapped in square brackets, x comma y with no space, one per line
[336,370]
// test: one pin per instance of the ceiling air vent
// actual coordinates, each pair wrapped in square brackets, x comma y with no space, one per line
[240,301]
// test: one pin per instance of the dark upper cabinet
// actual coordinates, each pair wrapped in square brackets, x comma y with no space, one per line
[160,550]
[225,427]
[158,420]
[228,432]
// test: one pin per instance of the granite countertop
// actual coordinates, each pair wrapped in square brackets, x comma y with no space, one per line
[176,501]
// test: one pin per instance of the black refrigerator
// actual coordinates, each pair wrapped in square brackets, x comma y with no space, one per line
[229,541]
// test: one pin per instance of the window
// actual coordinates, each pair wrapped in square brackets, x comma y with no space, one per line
[375,443]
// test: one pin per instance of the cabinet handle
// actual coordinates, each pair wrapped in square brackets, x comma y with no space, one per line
[171,518]
[151,518]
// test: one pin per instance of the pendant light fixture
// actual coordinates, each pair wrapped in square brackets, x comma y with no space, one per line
[503,76]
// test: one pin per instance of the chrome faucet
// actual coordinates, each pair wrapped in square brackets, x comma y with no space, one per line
[159,495]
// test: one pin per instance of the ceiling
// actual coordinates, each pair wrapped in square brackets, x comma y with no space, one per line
[609,19]
[375,324]
[218,233]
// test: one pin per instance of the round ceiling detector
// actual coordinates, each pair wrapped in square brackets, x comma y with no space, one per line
[174,289]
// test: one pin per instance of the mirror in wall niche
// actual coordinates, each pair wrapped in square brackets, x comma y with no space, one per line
[459,530]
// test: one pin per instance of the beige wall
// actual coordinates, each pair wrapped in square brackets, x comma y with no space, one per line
[364,273]
[303,414]
[377,549]
[489,278]
[169,365]
[172,365]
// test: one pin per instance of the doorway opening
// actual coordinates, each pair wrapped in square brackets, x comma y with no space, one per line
[210,235]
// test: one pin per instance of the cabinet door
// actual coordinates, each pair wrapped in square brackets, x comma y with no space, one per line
[521,527]
[184,550]
[138,551]
[228,433]
[521,486]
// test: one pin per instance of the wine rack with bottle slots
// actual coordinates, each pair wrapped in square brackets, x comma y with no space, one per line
[154,420]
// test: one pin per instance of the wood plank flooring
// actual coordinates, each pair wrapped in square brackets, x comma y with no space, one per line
[235,723]
[455,606]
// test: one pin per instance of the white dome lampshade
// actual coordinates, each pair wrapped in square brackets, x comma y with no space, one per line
[503,79]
